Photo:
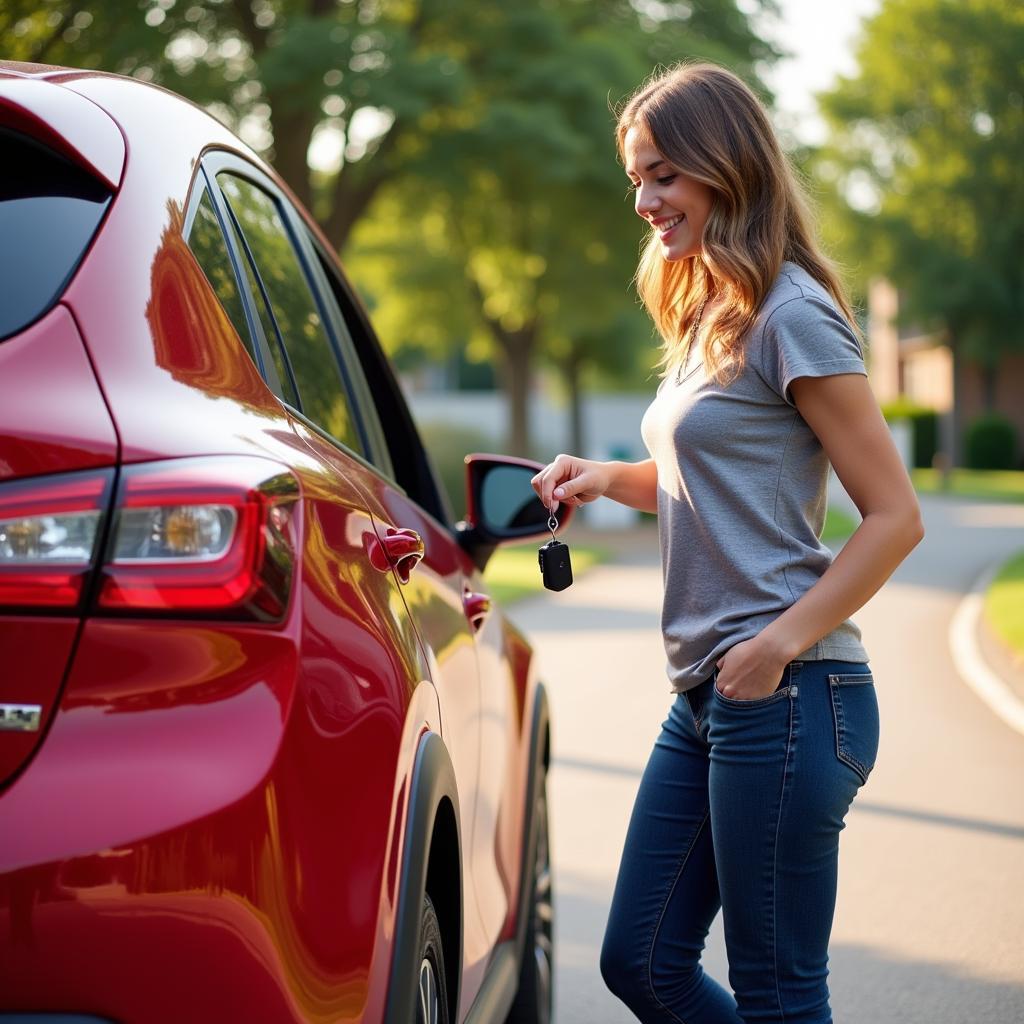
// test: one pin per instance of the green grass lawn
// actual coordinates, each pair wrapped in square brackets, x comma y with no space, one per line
[1004,603]
[1001,484]
[513,572]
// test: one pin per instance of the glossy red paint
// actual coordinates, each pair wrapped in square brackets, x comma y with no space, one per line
[36,653]
[216,810]
[49,360]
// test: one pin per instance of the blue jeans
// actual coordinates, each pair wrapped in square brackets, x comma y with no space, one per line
[740,808]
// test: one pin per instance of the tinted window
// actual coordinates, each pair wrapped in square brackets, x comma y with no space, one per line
[49,210]
[284,377]
[405,458]
[207,244]
[322,392]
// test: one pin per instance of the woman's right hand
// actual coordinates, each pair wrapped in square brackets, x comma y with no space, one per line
[572,480]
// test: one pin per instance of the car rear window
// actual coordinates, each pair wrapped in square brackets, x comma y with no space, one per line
[49,211]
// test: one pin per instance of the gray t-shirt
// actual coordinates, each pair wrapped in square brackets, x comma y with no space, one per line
[742,485]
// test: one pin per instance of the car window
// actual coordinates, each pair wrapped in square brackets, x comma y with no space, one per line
[282,371]
[321,391]
[403,457]
[53,209]
[207,243]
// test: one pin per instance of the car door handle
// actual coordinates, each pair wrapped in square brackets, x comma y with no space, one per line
[478,607]
[402,549]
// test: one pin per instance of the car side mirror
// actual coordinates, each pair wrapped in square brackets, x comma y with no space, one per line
[501,505]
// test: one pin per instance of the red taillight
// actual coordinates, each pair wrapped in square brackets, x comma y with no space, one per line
[207,536]
[212,537]
[49,531]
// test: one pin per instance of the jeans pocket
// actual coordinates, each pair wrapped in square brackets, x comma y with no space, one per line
[855,713]
[781,691]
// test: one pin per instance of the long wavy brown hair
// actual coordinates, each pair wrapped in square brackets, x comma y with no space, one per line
[707,123]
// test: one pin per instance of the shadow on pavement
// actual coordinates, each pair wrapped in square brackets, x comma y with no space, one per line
[867,985]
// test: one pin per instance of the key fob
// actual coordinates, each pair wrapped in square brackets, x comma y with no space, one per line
[555,566]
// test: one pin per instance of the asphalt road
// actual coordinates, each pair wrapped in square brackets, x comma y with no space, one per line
[929,925]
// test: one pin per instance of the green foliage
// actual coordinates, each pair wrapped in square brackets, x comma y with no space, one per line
[924,425]
[513,235]
[925,158]
[990,442]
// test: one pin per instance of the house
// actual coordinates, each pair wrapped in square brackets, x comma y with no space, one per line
[906,362]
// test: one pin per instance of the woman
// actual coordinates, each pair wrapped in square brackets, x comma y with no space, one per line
[775,724]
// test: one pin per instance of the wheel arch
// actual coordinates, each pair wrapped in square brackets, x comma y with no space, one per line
[433,818]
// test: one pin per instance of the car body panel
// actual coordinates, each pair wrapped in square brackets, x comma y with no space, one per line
[47,358]
[50,355]
[434,597]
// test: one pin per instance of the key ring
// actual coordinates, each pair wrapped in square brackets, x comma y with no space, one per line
[552,524]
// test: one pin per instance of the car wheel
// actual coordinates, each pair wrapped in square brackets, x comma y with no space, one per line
[535,997]
[432,997]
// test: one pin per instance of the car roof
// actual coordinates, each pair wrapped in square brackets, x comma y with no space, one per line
[119,96]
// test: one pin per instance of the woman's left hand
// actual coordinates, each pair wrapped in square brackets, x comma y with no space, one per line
[748,671]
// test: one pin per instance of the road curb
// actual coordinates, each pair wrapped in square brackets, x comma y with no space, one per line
[969,661]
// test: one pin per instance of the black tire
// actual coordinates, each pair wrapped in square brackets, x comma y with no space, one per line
[431,987]
[534,1001]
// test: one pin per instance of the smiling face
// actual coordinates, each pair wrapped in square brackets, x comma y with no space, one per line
[675,205]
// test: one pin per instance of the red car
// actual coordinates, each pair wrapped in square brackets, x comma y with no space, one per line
[267,750]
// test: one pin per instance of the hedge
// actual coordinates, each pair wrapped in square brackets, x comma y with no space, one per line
[924,428]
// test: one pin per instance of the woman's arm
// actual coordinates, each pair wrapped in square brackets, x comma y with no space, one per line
[579,481]
[634,484]
[842,411]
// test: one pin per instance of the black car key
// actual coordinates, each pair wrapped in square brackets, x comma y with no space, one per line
[555,565]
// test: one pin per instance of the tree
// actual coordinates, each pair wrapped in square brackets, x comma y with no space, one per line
[926,151]
[523,200]
[369,74]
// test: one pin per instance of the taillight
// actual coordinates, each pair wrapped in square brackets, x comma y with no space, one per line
[213,537]
[49,530]
[209,537]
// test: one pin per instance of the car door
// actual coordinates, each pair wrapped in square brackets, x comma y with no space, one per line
[449,602]
[330,402]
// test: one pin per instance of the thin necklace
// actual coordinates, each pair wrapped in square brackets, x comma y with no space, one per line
[693,339]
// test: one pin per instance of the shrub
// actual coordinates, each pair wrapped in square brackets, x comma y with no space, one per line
[924,428]
[990,442]
[448,444]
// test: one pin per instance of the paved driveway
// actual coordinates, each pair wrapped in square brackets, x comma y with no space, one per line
[929,925]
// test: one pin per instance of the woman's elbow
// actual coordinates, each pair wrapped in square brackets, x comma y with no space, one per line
[904,526]
[914,528]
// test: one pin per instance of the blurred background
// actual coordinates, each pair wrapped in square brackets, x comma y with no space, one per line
[459,155]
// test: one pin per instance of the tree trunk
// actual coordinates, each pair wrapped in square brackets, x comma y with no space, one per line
[292,135]
[517,349]
[572,367]
[354,188]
